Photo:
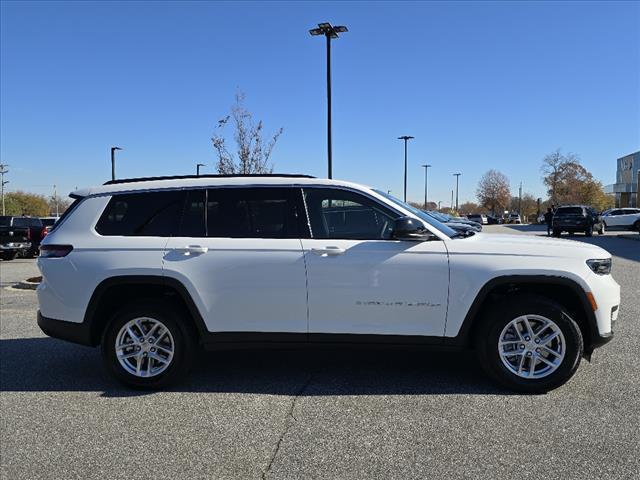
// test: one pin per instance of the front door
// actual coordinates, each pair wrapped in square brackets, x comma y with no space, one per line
[239,253]
[360,281]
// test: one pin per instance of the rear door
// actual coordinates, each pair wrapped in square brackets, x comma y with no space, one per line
[239,254]
[360,281]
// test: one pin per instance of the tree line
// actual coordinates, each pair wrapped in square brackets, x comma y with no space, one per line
[567,181]
[21,203]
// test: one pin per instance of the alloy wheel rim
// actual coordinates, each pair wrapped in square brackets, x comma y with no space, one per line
[531,346]
[144,347]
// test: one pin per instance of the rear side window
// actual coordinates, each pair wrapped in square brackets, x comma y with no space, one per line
[152,214]
[254,212]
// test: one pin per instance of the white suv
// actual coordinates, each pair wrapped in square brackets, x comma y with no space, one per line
[152,269]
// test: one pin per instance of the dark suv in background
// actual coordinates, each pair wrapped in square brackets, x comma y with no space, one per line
[577,218]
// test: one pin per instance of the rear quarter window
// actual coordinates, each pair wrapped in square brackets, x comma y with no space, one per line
[144,214]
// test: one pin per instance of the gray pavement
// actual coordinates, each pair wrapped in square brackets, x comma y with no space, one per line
[328,414]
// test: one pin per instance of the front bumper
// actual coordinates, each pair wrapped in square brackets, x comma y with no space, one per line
[69,331]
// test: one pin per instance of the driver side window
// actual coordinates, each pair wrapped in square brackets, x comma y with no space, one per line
[342,214]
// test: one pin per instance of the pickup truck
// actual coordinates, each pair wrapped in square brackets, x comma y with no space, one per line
[13,239]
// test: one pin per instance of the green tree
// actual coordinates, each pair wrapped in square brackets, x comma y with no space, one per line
[23,203]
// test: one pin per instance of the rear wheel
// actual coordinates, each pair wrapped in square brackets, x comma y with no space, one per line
[636,226]
[589,231]
[529,345]
[8,255]
[146,345]
[556,232]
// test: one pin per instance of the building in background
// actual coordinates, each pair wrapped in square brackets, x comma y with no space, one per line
[627,181]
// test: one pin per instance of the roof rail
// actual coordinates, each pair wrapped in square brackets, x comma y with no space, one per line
[180,177]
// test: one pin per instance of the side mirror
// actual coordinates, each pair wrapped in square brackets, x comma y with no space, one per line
[408,228]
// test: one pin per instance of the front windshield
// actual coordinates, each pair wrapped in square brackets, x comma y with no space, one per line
[448,231]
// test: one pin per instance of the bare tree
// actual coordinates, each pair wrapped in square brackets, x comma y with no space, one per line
[253,151]
[493,191]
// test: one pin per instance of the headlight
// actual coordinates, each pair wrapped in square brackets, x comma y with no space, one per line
[601,266]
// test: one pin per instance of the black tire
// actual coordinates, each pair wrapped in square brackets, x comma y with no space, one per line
[589,231]
[8,255]
[495,320]
[603,228]
[556,232]
[174,320]
[636,226]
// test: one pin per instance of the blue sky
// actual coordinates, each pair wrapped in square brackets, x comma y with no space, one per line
[480,86]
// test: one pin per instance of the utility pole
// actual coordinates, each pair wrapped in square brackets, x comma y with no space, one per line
[426,188]
[113,162]
[520,200]
[3,182]
[451,200]
[405,138]
[55,199]
[457,175]
[330,32]
[198,165]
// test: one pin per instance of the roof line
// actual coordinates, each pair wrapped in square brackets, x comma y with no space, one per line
[182,177]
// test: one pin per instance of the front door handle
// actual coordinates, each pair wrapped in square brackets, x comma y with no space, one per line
[193,249]
[328,251]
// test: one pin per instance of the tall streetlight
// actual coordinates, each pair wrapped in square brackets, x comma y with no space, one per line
[405,138]
[3,182]
[457,175]
[330,32]
[113,162]
[426,169]
[198,165]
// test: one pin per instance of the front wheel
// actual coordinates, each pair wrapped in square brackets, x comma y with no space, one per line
[9,255]
[146,345]
[556,232]
[529,345]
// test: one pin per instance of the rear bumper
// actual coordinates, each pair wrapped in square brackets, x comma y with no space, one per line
[15,246]
[69,331]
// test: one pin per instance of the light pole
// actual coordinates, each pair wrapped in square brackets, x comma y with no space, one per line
[55,199]
[330,32]
[113,162]
[426,169]
[3,182]
[457,175]
[198,165]
[405,138]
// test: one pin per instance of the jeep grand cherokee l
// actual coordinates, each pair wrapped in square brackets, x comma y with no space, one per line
[152,269]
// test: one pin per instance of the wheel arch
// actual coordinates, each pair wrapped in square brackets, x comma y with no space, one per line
[114,292]
[562,290]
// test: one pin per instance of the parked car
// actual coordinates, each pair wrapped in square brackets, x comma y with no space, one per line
[577,218]
[457,226]
[513,218]
[493,220]
[36,232]
[14,240]
[153,269]
[622,219]
[48,222]
[479,218]
[455,222]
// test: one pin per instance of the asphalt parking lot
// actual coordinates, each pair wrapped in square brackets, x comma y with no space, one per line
[359,414]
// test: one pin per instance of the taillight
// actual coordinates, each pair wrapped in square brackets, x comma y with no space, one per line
[43,232]
[55,251]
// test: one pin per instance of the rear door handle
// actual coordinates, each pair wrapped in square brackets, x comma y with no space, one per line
[328,251]
[193,249]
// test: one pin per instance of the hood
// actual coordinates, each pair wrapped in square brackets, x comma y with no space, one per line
[528,245]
